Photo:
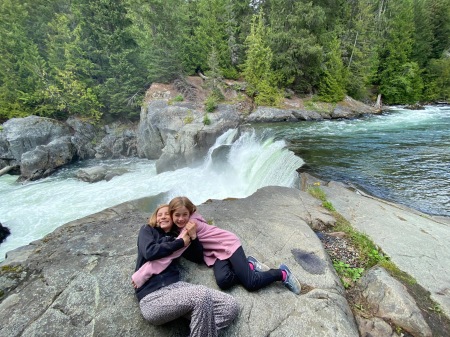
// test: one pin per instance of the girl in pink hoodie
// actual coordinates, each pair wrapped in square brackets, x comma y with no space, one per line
[222,250]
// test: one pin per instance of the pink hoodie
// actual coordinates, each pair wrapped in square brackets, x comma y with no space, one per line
[217,244]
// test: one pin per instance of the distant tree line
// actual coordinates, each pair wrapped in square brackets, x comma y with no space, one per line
[97,58]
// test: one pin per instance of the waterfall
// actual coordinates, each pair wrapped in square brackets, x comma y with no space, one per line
[235,166]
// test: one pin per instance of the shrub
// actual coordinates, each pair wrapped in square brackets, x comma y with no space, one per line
[206,120]
[210,103]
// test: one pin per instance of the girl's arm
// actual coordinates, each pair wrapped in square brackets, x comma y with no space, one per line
[154,267]
[153,249]
[194,252]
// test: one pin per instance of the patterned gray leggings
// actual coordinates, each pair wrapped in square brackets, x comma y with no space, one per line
[209,309]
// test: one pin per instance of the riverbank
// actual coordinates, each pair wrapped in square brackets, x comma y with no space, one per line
[415,242]
[76,280]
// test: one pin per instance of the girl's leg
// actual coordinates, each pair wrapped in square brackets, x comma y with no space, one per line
[224,274]
[250,279]
[226,308]
[183,299]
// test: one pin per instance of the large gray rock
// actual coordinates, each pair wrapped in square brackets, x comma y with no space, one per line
[388,299]
[20,135]
[176,134]
[76,280]
[84,138]
[119,141]
[45,159]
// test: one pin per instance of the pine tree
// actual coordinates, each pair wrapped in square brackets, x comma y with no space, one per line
[400,78]
[257,66]
[294,40]
[21,66]
[332,83]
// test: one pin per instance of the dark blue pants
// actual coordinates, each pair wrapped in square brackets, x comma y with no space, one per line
[236,270]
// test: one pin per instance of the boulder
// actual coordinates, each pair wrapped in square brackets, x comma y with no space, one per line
[45,159]
[85,136]
[92,174]
[176,135]
[20,135]
[76,280]
[119,142]
[388,299]
[4,232]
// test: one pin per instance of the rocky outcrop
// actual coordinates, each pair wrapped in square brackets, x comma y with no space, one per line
[98,173]
[45,159]
[388,300]
[84,137]
[348,108]
[76,280]
[4,232]
[119,142]
[31,140]
[177,134]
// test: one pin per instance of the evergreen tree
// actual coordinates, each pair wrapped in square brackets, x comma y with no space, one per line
[107,42]
[160,28]
[297,54]
[440,22]
[358,46]
[332,82]
[400,78]
[21,66]
[257,66]
[423,34]
[68,88]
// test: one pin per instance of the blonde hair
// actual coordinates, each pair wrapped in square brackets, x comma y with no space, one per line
[152,219]
[178,202]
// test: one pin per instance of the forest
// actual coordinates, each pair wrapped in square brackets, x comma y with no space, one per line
[96,59]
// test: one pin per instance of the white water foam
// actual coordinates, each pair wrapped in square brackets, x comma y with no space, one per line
[35,209]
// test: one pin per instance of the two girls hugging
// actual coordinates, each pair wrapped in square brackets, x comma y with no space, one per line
[176,230]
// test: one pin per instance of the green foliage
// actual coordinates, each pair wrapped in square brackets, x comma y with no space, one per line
[332,83]
[257,66]
[347,274]
[189,118]
[230,73]
[97,58]
[210,103]
[206,120]
[178,98]
[296,27]
[437,80]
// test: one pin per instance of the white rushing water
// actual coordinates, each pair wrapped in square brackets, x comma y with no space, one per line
[35,209]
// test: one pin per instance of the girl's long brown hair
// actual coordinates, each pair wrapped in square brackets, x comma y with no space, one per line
[178,202]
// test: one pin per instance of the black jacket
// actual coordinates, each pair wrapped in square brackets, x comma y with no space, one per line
[153,244]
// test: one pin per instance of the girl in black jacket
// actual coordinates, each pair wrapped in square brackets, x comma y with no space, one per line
[164,297]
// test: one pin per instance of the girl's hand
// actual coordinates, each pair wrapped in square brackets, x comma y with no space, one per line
[186,238]
[191,228]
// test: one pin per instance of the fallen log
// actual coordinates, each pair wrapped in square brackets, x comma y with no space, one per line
[6,170]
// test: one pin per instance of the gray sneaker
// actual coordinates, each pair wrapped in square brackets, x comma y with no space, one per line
[291,281]
[257,266]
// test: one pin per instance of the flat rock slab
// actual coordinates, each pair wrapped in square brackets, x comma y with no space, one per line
[76,281]
[417,243]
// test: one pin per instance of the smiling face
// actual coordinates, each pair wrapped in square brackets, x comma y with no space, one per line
[181,216]
[163,219]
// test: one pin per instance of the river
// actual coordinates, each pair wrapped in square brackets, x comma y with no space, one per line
[403,156]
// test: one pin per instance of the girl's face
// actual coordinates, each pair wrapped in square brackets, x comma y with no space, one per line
[163,219]
[181,216]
